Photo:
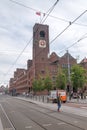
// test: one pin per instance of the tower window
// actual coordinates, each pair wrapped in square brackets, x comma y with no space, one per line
[42,34]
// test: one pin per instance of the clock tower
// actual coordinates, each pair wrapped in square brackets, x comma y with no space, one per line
[40,49]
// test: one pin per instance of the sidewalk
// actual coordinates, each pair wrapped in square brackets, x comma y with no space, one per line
[44,99]
[82,101]
[64,108]
[41,101]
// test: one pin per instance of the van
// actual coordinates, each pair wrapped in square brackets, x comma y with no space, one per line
[53,95]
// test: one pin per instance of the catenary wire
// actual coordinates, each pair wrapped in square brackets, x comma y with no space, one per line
[55,17]
[81,38]
[70,23]
[49,11]
[54,38]
[64,29]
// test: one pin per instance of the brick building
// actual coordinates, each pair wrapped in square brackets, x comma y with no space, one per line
[84,63]
[41,62]
[18,83]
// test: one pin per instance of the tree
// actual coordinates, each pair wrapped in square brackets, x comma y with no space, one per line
[40,84]
[78,77]
[48,83]
[35,85]
[61,80]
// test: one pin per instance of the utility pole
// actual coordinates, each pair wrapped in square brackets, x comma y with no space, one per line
[68,67]
[69,79]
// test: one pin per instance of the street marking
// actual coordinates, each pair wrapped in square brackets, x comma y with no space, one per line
[61,123]
[7,119]
[28,127]
[47,124]
[1,127]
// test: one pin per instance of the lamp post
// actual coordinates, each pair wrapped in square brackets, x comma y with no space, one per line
[69,79]
[68,68]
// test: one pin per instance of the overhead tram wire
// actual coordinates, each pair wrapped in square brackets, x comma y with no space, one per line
[15,2]
[50,42]
[35,10]
[65,29]
[17,59]
[58,34]
[71,44]
[41,22]
[70,23]
[49,11]
[83,37]
[19,55]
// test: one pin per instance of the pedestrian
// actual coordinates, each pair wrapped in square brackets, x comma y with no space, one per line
[59,101]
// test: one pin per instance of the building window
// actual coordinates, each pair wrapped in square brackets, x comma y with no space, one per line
[53,78]
[64,66]
[42,34]
[42,71]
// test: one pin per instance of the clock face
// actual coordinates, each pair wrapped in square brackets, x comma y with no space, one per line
[42,43]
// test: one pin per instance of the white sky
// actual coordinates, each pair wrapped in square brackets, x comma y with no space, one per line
[17,18]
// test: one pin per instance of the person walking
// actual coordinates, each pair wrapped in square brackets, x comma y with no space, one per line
[59,101]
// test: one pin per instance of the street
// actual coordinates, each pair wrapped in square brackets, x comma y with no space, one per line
[17,114]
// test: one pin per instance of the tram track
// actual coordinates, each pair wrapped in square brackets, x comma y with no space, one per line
[26,107]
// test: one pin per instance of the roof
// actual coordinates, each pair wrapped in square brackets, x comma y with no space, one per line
[84,60]
[66,55]
[54,57]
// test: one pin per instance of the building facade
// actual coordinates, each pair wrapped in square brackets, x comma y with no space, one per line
[83,63]
[41,63]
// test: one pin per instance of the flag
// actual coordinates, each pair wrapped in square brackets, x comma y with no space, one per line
[38,13]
